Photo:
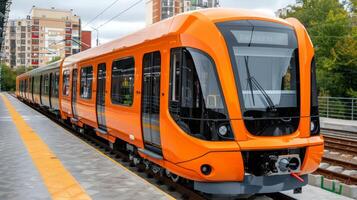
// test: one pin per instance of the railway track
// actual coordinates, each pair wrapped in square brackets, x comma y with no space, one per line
[345,164]
[176,190]
[341,145]
[343,142]
[340,134]
[350,180]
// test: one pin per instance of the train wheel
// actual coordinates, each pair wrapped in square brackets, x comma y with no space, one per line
[175,178]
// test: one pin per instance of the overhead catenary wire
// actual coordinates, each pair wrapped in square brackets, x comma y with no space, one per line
[102,12]
[120,13]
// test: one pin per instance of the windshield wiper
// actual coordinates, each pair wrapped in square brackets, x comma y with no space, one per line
[271,106]
[252,81]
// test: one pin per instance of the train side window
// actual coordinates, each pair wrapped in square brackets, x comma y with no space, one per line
[45,85]
[20,87]
[41,85]
[25,88]
[122,86]
[65,89]
[32,82]
[86,82]
[55,82]
[196,101]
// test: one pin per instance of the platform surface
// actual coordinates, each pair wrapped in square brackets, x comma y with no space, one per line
[339,124]
[97,175]
[311,193]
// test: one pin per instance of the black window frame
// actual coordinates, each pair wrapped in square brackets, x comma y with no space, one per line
[86,81]
[113,99]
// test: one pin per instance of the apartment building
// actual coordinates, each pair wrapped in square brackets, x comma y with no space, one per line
[189,5]
[54,33]
[44,35]
[17,45]
[4,15]
[157,10]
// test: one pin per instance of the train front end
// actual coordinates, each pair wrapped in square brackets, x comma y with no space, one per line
[255,111]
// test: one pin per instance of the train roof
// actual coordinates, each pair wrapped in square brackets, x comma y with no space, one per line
[171,26]
[51,66]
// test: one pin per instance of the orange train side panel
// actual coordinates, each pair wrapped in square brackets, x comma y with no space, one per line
[313,157]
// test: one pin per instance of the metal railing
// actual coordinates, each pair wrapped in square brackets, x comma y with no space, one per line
[338,107]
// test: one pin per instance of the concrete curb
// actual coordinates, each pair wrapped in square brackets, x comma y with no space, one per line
[334,186]
[338,124]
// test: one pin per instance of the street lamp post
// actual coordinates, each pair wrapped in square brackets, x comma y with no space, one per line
[97,34]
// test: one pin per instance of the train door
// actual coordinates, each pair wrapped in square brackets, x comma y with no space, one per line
[32,83]
[41,85]
[101,81]
[150,102]
[74,93]
[50,91]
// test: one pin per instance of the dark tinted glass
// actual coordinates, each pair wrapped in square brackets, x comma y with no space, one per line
[196,100]
[55,81]
[45,84]
[65,89]
[314,92]
[122,87]
[264,56]
[86,82]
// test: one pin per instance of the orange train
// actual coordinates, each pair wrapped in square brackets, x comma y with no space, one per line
[224,99]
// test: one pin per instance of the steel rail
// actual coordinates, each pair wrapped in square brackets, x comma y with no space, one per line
[350,180]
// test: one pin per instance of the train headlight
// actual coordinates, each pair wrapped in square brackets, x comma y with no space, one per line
[223,130]
[312,126]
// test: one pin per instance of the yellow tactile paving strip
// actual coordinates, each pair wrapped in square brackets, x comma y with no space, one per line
[59,182]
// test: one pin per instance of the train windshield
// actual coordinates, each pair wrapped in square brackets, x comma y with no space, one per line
[265,60]
[264,56]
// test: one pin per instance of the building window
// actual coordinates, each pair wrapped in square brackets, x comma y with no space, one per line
[122,87]
[65,89]
[86,82]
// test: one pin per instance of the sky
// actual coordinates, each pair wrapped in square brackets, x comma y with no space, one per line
[130,21]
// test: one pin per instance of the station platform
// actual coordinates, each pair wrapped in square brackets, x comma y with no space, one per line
[339,124]
[41,160]
[310,192]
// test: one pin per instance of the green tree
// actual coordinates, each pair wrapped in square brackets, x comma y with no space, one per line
[330,26]
[8,78]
